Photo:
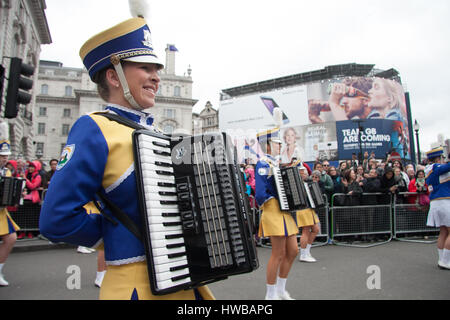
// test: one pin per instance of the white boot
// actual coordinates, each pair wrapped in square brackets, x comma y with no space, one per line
[308,253]
[99,278]
[444,262]
[271,293]
[3,282]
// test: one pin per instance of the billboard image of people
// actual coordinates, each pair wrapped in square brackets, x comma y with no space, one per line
[309,143]
[365,99]
[316,116]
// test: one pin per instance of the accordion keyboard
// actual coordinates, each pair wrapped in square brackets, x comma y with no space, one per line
[163,215]
[191,201]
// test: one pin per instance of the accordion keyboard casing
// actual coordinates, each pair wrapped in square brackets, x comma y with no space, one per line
[213,210]
[293,193]
[11,191]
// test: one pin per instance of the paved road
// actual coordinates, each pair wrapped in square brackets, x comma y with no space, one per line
[407,271]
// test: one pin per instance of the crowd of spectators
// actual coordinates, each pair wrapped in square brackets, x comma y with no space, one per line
[353,179]
[386,177]
[37,181]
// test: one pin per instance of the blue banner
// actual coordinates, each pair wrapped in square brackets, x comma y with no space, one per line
[377,136]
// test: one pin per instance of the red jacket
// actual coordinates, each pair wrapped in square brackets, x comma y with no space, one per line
[34,183]
[412,199]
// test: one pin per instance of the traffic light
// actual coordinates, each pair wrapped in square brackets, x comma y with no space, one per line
[18,81]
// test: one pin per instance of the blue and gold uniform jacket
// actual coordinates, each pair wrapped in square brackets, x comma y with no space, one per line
[98,157]
[265,188]
[438,181]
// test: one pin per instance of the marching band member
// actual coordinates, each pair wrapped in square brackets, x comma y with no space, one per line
[276,224]
[8,227]
[438,180]
[308,220]
[98,158]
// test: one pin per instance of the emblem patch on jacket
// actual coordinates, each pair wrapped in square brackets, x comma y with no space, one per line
[65,156]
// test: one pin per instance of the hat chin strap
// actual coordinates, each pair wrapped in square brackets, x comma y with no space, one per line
[126,89]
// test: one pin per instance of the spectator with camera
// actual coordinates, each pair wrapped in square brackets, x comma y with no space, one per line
[419,185]
[352,187]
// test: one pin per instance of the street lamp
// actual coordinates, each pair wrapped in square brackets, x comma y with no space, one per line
[416,129]
[360,132]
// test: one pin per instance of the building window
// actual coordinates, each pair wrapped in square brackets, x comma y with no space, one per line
[43,111]
[66,113]
[177,91]
[39,148]
[44,89]
[169,113]
[65,129]
[168,129]
[41,128]
[68,91]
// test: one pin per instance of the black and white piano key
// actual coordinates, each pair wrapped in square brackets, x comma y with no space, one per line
[175,252]
[159,227]
[147,141]
[168,258]
[171,266]
[152,174]
[171,275]
[152,167]
[163,212]
[156,196]
[173,283]
[168,243]
[150,204]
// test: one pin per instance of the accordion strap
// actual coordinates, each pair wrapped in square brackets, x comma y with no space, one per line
[115,210]
[122,120]
[121,216]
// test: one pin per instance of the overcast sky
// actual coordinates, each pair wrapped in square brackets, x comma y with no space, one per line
[233,43]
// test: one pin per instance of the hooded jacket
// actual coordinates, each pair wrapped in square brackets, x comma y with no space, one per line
[33,182]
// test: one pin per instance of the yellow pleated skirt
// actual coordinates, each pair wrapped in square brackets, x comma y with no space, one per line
[7,224]
[307,217]
[275,222]
[125,281]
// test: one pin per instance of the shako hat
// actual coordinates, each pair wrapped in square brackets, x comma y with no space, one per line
[434,153]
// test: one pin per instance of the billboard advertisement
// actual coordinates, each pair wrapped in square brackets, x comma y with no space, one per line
[376,136]
[323,117]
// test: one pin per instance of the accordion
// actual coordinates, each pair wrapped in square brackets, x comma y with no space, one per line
[197,228]
[293,193]
[11,191]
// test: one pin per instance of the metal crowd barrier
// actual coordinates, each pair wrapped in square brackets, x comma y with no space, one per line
[27,217]
[410,220]
[363,221]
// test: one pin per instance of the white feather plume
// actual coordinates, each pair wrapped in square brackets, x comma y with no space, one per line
[278,117]
[139,8]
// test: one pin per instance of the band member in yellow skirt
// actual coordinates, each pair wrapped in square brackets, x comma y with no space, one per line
[8,227]
[308,220]
[276,224]
[98,159]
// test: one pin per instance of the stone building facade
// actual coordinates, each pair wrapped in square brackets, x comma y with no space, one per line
[23,28]
[205,121]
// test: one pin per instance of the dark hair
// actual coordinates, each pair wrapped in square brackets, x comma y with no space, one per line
[317,163]
[418,171]
[50,162]
[360,83]
[102,85]
[347,174]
